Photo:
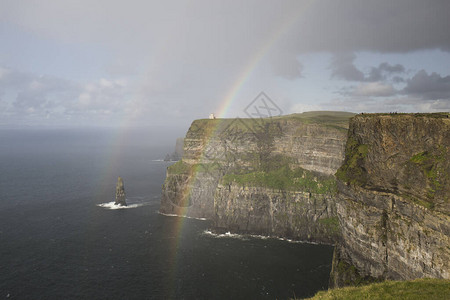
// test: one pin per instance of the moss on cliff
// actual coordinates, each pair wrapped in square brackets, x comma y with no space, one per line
[181,167]
[416,289]
[351,170]
[433,168]
[285,179]
[331,224]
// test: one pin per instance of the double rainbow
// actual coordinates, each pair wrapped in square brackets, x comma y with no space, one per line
[224,107]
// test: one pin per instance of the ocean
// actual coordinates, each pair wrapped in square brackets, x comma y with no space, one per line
[60,237]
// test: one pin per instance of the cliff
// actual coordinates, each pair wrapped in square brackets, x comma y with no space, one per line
[264,176]
[393,199]
[386,208]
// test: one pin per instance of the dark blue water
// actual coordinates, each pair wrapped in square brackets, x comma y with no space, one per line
[57,243]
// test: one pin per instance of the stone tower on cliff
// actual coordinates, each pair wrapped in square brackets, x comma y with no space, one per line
[120,192]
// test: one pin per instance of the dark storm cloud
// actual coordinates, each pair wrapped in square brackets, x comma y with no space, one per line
[400,104]
[384,70]
[429,87]
[380,26]
[342,67]
[423,92]
[421,87]
[227,33]
[182,58]
[287,67]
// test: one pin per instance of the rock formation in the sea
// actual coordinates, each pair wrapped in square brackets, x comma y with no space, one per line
[266,176]
[120,193]
[393,199]
[178,153]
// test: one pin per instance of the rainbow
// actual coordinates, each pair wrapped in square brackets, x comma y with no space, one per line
[254,61]
[222,111]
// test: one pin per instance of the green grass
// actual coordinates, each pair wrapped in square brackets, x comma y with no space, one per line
[333,119]
[285,179]
[181,167]
[416,289]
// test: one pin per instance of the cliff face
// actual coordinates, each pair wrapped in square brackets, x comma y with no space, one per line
[260,210]
[270,176]
[393,199]
[388,210]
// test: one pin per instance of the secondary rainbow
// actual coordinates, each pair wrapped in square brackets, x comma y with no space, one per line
[225,105]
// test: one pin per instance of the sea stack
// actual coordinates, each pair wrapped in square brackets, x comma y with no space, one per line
[120,193]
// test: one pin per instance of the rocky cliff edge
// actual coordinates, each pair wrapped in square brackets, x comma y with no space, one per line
[261,176]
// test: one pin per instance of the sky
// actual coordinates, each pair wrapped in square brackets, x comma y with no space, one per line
[78,63]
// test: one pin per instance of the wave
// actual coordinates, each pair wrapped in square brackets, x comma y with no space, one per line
[246,237]
[226,235]
[173,215]
[112,205]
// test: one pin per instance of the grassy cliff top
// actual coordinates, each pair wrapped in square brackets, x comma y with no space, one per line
[327,118]
[335,119]
[437,115]
[415,289]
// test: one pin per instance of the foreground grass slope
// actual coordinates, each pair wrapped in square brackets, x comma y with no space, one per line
[415,289]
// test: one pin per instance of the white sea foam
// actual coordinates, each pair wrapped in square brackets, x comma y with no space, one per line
[173,215]
[226,235]
[112,205]
[247,236]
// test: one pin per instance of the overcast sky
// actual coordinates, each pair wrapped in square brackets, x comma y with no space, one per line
[148,63]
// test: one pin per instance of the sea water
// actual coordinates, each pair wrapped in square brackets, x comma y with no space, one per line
[61,237]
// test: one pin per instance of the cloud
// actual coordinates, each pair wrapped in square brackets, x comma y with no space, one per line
[286,68]
[183,58]
[373,89]
[423,92]
[398,104]
[429,87]
[228,33]
[335,26]
[378,26]
[342,67]
[385,70]
[42,93]
[46,97]
[32,94]
[102,97]
[303,107]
